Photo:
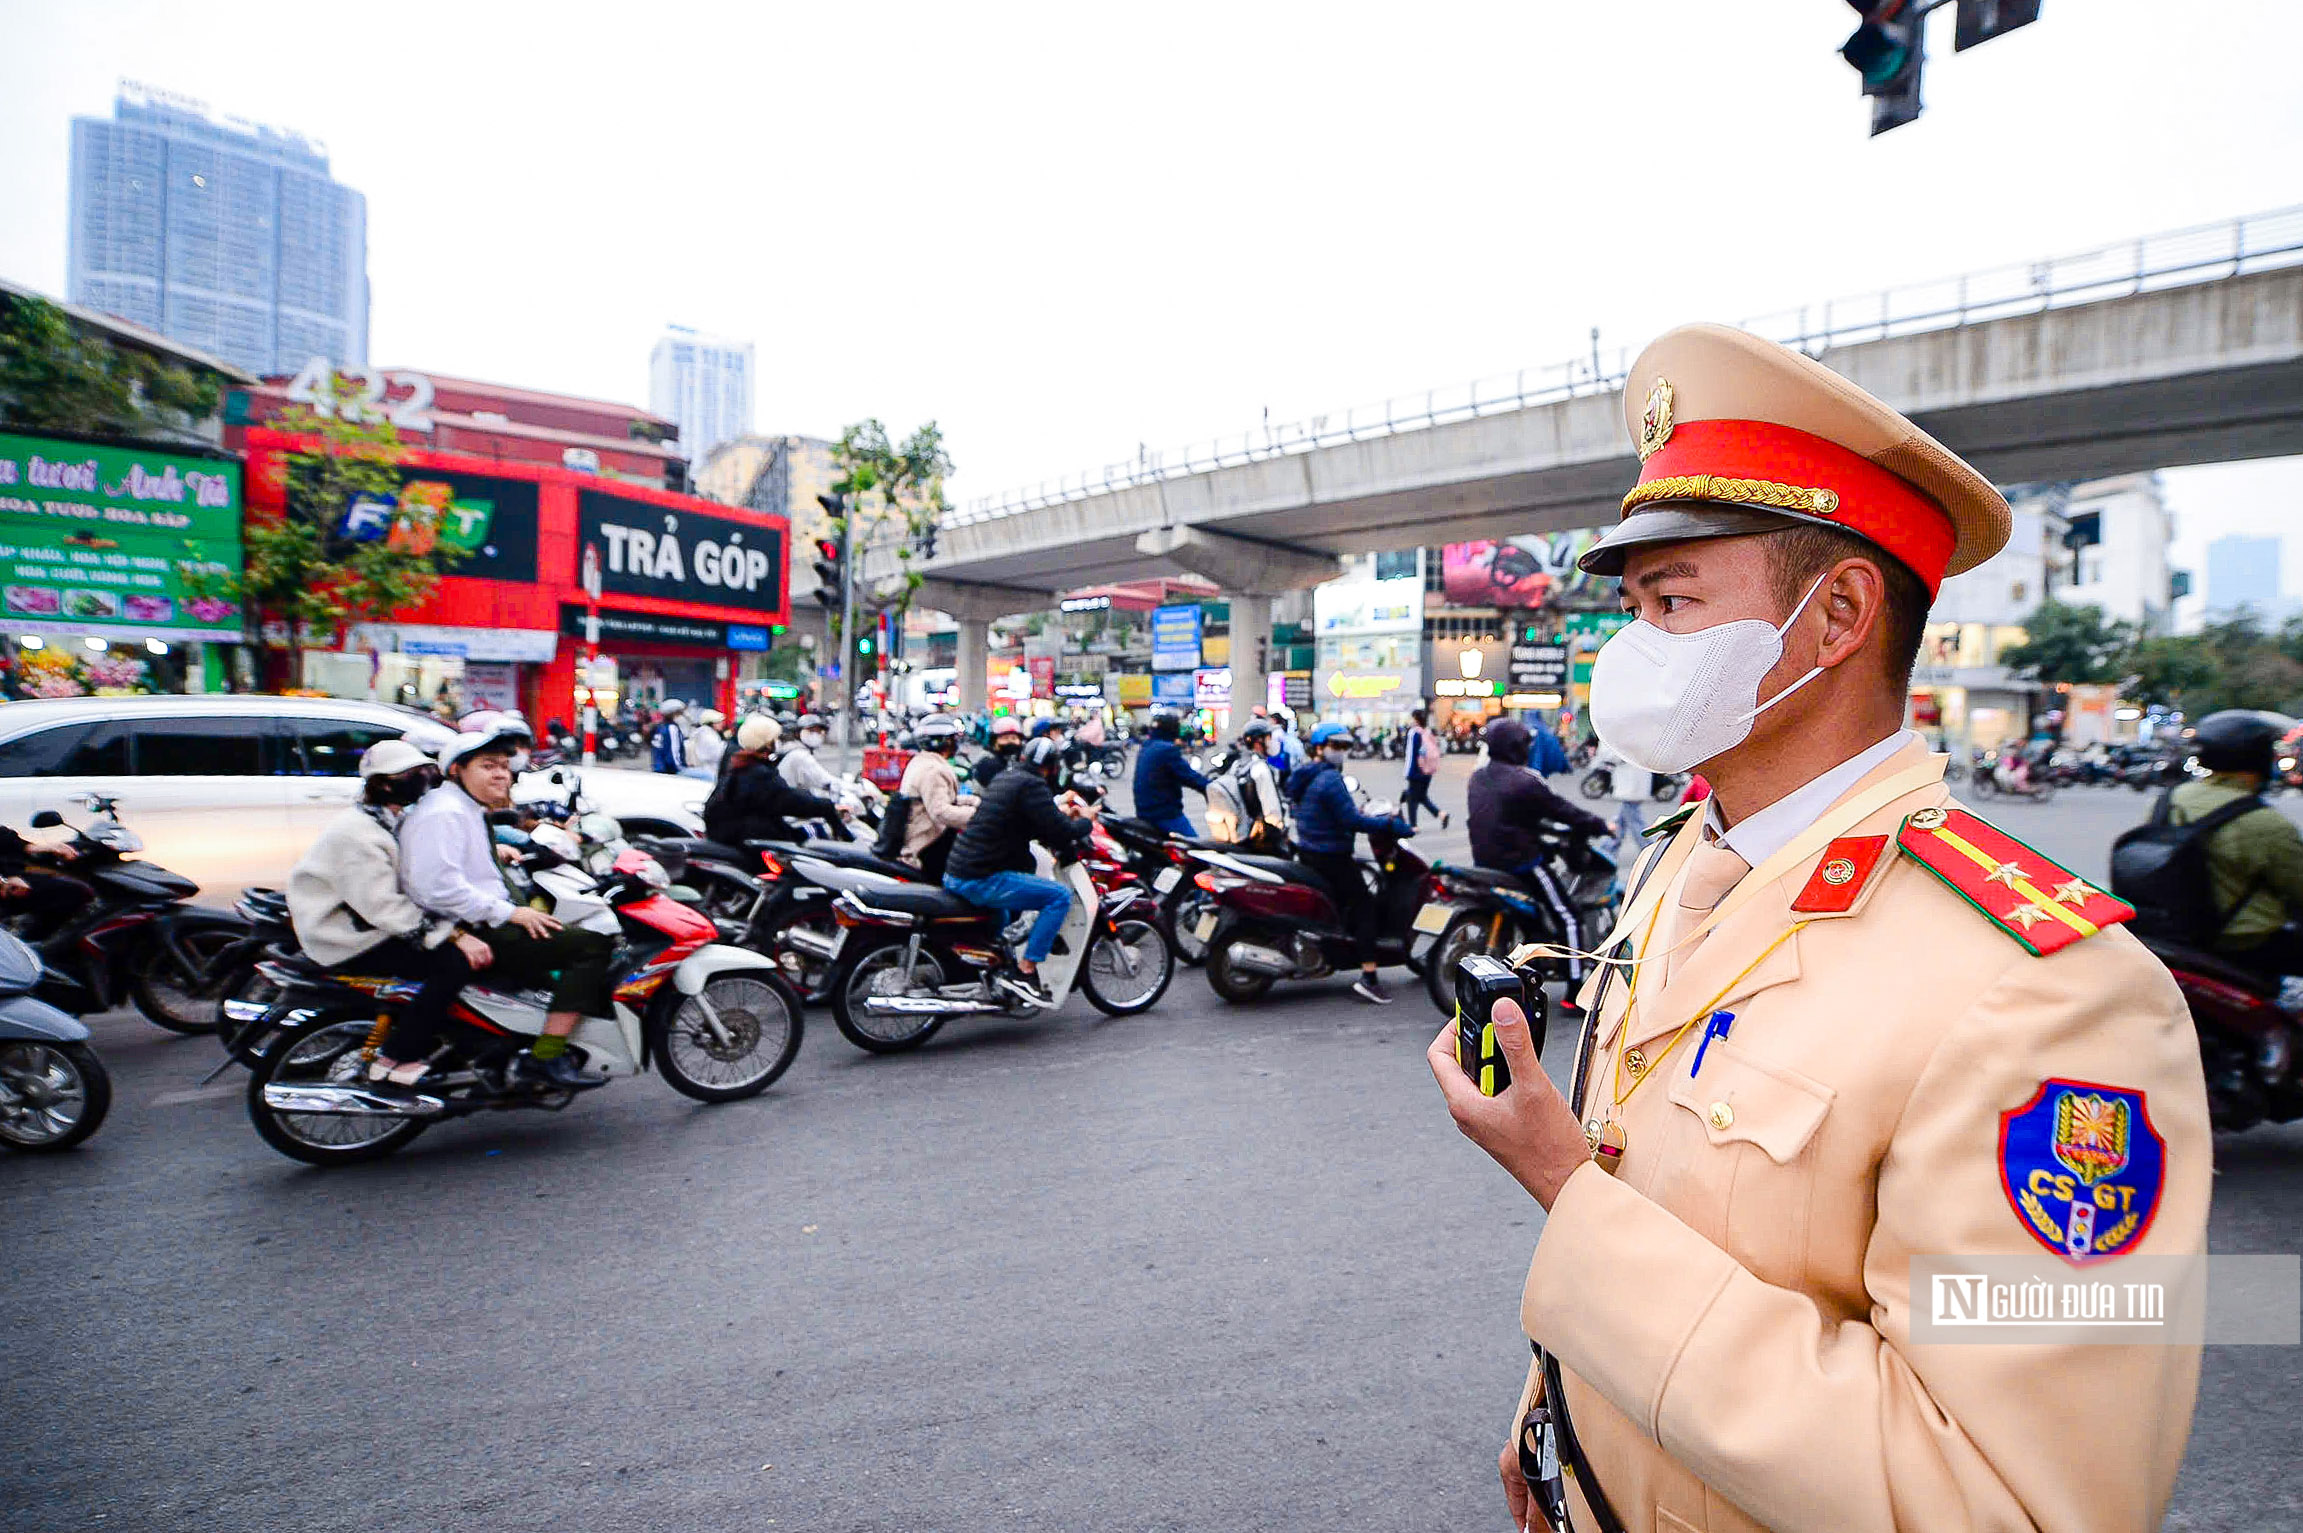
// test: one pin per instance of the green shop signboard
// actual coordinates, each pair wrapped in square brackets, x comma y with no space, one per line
[117,538]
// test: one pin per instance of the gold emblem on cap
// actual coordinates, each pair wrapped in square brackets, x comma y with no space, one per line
[1838,870]
[1655,420]
[1928,819]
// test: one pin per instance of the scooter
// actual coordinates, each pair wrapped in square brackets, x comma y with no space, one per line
[2250,1043]
[54,1091]
[914,956]
[1276,919]
[138,938]
[1569,897]
[715,1021]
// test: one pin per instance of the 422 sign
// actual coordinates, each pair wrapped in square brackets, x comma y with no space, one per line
[320,386]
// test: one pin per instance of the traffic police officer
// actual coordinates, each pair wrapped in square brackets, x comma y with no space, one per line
[1861,1026]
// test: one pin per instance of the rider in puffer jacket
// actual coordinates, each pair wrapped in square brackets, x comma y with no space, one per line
[1327,822]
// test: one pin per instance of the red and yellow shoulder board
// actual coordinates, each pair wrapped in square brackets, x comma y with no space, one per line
[2044,906]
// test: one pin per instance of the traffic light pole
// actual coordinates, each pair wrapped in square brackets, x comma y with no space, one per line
[847,647]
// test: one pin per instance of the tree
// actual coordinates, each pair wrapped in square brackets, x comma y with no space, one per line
[351,546]
[2074,644]
[894,490]
[55,378]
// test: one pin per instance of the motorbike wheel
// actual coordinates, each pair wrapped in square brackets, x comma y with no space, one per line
[757,1037]
[1125,973]
[1594,785]
[1463,937]
[879,970]
[1236,986]
[322,1050]
[1181,919]
[180,1001]
[52,1095]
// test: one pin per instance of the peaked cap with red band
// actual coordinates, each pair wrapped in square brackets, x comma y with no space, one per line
[1739,435]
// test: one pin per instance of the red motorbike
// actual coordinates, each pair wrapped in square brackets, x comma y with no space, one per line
[1274,919]
[2250,1046]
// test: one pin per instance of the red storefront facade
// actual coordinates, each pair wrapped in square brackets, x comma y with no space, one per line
[689,586]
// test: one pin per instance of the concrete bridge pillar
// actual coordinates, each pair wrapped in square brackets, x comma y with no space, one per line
[975,654]
[1250,571]
[1250,637]
[973,605]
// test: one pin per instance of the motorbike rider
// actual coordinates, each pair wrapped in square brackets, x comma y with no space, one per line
[47,901]
[1262,768]
[799,765]
[706,746]
[352,916]
[1327,823]
[1507,804]
[668,745]
[1162,773]
[448,866]
[2254,862]
[754,801]
[1007,743]
[939,813]
[991,864]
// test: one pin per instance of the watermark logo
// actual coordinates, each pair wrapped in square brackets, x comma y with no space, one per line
[2035,1299]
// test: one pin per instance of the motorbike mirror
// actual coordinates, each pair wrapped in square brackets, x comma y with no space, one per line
[45,819]
[1351,782]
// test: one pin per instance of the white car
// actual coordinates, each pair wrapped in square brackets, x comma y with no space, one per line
[229,790]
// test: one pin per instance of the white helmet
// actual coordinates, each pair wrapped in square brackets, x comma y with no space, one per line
[389,758]
[473,742]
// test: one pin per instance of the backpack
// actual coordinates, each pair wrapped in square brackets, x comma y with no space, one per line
[895,824]
[2161,869]
[1426,752]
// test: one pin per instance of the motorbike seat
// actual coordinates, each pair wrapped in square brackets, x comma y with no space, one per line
[931,900]
[844,855]
[385,987]
[1294,872]
[2215,967]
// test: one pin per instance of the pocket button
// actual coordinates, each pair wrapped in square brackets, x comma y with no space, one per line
[1722,1115]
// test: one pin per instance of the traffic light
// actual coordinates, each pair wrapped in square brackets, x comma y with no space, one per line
[1887,50]
[831,574]
[928,541]
[1982,20]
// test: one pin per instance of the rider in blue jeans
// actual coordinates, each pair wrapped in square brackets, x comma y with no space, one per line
[991,863]
[1162,774]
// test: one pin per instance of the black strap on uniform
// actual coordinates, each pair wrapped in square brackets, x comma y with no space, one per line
[1547,1437]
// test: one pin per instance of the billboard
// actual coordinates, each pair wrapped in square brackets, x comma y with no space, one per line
[1534,571]
[1368,606]
[1175,633]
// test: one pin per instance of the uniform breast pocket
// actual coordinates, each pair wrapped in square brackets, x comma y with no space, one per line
[1759,1122]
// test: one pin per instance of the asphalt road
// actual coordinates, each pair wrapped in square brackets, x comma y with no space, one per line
[1209,1268]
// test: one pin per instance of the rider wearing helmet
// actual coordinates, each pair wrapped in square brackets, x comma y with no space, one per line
[801,768]
[351,915]
[1507,805]
[448,866]
[1327,823]
[1261,770]
[752,801]
[1007,740]
[1162,773]
[2255,861]
[668,746]
[707,746]
[938,812]
[991,864]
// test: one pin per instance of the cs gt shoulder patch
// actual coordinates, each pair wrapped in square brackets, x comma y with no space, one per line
[2042,905]
[2082,1168]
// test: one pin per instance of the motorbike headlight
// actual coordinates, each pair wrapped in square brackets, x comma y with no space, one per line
[651,873]
[118,837]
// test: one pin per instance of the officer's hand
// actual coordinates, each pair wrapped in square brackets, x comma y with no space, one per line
[1514,1487]
[1528,1129]
[537,924]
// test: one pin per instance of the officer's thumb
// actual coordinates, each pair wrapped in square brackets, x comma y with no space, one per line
[1511,1036]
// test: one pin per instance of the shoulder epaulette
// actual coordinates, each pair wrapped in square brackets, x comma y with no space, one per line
[2026,894]
[1671,821]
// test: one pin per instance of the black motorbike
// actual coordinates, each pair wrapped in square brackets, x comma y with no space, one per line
[54,1091]
[1569,898]
[137,939]
[775,897]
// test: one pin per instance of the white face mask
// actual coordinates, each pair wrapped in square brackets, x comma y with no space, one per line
[811,738]
[1667,702]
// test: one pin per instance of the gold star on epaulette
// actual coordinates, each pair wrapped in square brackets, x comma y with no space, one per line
[2006,873]
[2075,893]
[2027,916]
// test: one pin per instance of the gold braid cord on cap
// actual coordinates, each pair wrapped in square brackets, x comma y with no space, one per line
[1749,492]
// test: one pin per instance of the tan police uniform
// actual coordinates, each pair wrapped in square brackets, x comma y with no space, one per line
[1936,1042]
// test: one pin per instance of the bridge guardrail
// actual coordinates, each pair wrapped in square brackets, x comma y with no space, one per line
[2178,258]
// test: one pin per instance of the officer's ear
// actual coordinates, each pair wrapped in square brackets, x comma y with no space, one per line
[1852,602]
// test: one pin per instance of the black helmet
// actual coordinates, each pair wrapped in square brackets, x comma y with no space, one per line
[1257,729]
[1507,741]
[2238,740]
[1041,755]
[1165,725]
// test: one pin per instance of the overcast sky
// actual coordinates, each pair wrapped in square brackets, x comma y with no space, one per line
[1063,231]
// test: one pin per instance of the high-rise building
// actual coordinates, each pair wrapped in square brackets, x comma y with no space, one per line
[217,232]
[2244,572]
[2119,531]
[704,383]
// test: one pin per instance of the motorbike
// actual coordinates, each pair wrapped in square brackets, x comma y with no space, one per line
[915,956]
[137,939]
[1482,910]
[716,1022]
[1999,776]
[54,1091]
[1274,919]
[775,897]
[2250,1038]
[1599,782]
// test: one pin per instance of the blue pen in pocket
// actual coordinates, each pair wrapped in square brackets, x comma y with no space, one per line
[1717,1027]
